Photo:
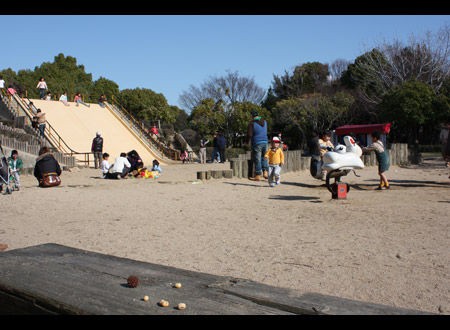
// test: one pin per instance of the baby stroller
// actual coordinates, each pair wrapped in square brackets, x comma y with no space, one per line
[4,173]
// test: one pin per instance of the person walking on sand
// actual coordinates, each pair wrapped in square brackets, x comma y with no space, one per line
[275,156]
[382,159]
[42,86]
[257,136]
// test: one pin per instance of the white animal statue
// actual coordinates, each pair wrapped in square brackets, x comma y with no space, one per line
[343,158]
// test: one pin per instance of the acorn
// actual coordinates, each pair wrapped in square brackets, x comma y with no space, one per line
[132,281]
[177,285]
[181,306]
[163,303]
[146,298]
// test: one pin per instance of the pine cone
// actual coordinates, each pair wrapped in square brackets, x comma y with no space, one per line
[132,281]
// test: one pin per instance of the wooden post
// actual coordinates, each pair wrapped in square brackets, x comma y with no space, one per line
[249,168]
[227,174]
[217,174]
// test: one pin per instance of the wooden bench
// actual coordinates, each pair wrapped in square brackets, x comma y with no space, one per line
[56,279]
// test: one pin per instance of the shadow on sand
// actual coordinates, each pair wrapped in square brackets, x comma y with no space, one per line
[296,198]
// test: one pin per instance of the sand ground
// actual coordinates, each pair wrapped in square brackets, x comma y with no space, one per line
[388,247]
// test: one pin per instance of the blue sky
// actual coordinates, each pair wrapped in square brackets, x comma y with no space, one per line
[168,53]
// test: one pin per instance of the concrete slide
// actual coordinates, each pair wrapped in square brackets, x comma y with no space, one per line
[77,126]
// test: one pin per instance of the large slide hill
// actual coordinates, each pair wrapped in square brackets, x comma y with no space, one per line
[77,126]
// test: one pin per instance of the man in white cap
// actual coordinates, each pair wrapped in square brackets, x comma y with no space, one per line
[97,149]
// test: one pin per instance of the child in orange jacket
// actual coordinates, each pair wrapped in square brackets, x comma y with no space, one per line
[275,156]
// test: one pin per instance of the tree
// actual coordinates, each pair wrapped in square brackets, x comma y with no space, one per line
[65,75]
[207,117]
[147,105]
[104,86]
[314,113]
[9,76]
[409,107]
[229,89]
[308,78]
[337,68]
[376,72]
[226,93]
[240,119]
[181,122]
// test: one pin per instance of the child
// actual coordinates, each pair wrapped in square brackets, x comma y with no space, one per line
[156,166]
[15,165]
[104,166]
[382,158]
[184,156]
[63,99]
[325,145]
[275,156]
[78,99]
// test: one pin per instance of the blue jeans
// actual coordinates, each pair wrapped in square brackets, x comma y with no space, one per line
[258,152]
[42,129]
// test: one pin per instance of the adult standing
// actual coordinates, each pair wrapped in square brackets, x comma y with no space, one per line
[202,153]
[2,83]
[97,149]
[221,145]
[215,153]
[42,86]
[257,136]
[41,121]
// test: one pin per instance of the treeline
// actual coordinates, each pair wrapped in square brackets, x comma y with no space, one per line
[65,75]
[405,84]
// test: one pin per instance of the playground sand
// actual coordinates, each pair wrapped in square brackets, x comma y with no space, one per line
[388,247]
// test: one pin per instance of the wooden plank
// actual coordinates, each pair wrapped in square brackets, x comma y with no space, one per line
[52,278]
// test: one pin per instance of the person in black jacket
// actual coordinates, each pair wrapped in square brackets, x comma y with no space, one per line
[45,164]
[221,145]
[135,161]
[97,149]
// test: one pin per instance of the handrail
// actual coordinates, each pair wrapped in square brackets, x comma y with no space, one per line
[143,132]
[52,135]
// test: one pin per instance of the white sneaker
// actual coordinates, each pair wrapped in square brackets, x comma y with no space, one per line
[278,182]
